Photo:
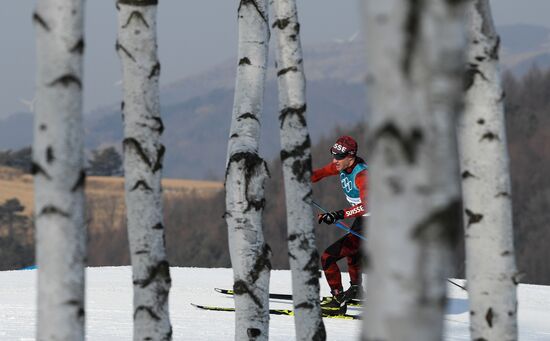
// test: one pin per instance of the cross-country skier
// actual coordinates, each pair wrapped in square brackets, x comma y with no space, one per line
[354,180]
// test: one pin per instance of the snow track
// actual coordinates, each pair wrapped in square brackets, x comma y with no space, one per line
[109,307]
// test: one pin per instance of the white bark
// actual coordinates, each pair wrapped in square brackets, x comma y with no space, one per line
[296,162]
[245,177]
[143,155]
[415,62]
[491,269]
[58,170]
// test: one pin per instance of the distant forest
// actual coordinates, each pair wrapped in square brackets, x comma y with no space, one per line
[196,233]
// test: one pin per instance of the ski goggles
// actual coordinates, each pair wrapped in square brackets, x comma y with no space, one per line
[338,156]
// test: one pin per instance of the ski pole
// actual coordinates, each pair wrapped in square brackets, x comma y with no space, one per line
[458,285]
[338,223]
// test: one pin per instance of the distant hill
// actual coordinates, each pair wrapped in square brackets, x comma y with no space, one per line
[523,45]
[197,110]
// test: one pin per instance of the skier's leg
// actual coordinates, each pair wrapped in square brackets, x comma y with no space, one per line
[354,261]
[354,254]
[330,256]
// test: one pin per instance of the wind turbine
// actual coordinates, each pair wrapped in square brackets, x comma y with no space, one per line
[28,103]
[348,40]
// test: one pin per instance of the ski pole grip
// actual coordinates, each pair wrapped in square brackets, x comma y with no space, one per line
[339,224]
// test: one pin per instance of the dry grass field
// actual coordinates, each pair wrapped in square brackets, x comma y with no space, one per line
[105,194]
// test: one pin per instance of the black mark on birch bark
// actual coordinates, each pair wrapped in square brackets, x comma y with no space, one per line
[240,288]
[51,209]
[49,155]
[489,136]
[442,223]
[412,31]
[155,71]
[253,333]
[304,305]
[255,5]
[489,317]
[79,307]
[138,16]
[481,121]
[473,218]
[297,28]
[67,80]
[245,61]
[158,273]
[502,194]
[41,22]
[148,310]
[502,97]
[132,142]
[247,115]
[395,184]
[142,184]
[320,332]
[36,169]
[312,266]
[289,111]
[158,226]
[301,167]
[409,144]
[288,69]
[119,47]
[263,263]
[138,2]
[469,75]
[252,164]
[78,47]
[80,182]
[466,174]
[281,23]
[160,125]
[493,54]
[160,156]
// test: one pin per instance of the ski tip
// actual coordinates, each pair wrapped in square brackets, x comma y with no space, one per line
[218,290]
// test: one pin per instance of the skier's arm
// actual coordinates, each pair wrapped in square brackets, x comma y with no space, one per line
[320,173]
[362,182]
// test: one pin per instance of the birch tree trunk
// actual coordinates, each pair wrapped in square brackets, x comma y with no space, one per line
[245,177]
[143,155]
[414,83]
[491,268]
[296,162]
[58,170]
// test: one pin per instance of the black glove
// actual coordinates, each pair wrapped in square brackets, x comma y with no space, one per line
[330,217]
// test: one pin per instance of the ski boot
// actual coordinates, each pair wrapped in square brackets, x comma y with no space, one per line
[355,292]
[335,305]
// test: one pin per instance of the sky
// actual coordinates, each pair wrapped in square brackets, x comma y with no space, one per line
[193,35]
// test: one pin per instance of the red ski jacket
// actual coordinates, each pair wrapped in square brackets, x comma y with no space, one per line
[360,182]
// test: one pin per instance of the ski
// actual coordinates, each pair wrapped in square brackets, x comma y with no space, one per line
[287,297]
[286,312]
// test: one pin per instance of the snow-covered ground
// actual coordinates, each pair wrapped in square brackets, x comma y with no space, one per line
[109,307]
